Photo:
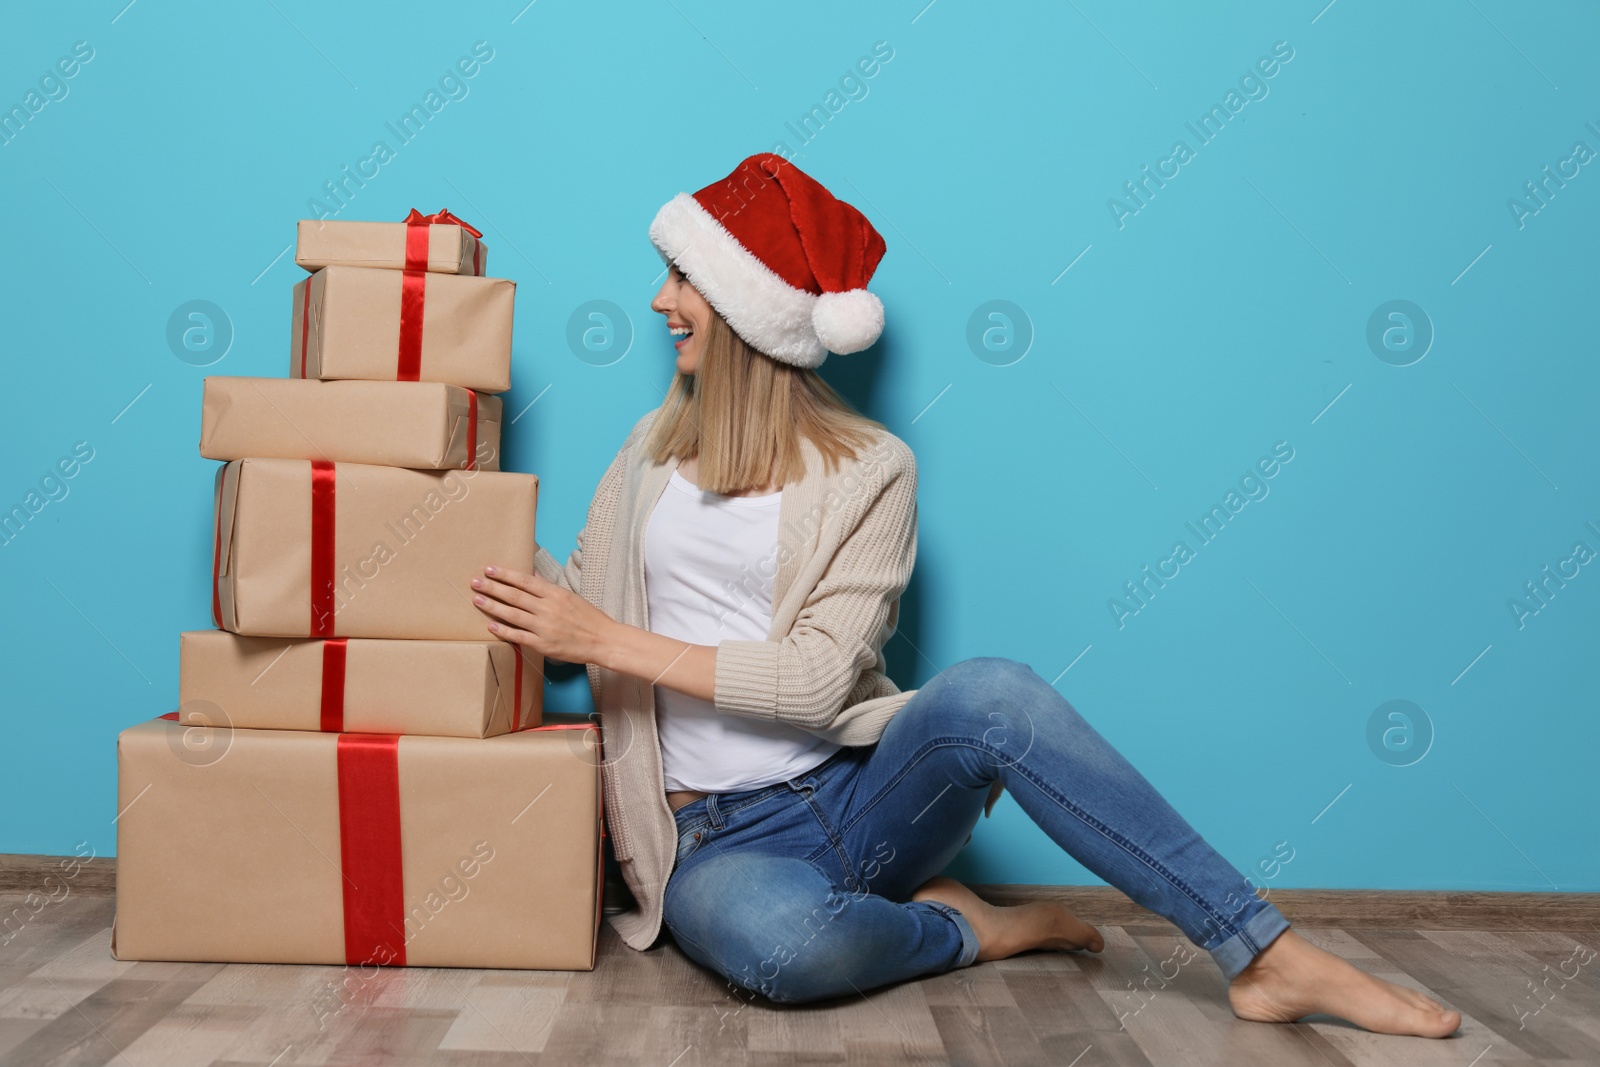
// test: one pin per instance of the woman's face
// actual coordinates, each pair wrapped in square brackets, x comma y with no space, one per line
[685,309]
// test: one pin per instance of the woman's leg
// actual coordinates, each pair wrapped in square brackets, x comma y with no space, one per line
[986,719]
[757,896]
[778,925]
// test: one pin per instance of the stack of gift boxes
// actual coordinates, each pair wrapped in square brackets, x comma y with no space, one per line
[357,772]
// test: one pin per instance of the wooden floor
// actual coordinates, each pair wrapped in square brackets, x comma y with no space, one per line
[64,1000]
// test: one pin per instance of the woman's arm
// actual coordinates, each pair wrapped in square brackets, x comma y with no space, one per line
[528,609]
[661,660]
[805,678]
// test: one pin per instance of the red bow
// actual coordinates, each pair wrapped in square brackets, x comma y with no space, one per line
[442,217]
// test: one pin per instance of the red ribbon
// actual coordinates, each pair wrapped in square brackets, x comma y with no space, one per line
[442,217]
[369,849]
[472,431]
[417,234]
[333,661]
[414,287]
[323,483]
[413,296]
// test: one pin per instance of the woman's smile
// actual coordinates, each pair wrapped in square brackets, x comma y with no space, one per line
[687,315]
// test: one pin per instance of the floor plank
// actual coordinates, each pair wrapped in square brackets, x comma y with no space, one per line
[1149,1000]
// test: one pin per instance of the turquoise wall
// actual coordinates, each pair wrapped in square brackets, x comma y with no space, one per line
[1369,275]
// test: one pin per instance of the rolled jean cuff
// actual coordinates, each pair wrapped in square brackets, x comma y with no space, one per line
[1259,931]
[969,940]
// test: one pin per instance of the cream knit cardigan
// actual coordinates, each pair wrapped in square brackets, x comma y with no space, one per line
[846,545]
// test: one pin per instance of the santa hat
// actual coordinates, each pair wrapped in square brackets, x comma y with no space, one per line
[783,261]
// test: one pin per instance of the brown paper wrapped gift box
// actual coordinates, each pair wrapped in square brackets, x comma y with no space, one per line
[372,686]
[347,324]
[331,243]
[313,549]
[421,425]
[285,846]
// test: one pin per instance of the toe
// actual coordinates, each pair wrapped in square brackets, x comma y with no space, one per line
[1426,1002]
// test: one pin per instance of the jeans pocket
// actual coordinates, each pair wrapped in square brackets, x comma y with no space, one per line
[691,837]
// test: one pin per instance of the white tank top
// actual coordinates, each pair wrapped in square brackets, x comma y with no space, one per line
[709,563]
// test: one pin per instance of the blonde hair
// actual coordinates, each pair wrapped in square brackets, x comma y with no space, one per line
[744,414]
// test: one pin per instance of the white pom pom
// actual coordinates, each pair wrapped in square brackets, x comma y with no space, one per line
[849,321]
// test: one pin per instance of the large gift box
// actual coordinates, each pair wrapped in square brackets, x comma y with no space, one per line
[424,425]
[390,325]
[285,846]
[438,243]
[317,549]
[358,685]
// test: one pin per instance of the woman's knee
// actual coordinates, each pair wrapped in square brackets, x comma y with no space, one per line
[998,707]
[815,949]
[996,672]
[983,691]
[767,923]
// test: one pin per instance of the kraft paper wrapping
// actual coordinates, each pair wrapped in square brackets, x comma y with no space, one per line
[383,245]
[443,688]
[346,324]
[423,425]
[229,848]
[405,546]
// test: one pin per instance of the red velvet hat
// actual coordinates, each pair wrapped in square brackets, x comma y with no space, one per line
[783,261]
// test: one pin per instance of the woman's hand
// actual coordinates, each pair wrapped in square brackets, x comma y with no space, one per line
[530,610]
[558,623]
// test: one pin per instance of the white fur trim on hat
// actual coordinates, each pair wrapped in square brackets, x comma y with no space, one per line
[768,312]
[849,321]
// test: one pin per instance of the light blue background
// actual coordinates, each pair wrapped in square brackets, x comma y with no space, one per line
[1228,314]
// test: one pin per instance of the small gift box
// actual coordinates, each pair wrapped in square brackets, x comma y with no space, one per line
[407,326]
[439,243]
[318,549]
[422,425]
[358,685]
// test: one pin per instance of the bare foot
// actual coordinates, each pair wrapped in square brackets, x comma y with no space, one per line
[1006,931]
[1292,978]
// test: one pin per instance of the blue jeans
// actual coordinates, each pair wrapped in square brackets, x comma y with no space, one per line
[802,890]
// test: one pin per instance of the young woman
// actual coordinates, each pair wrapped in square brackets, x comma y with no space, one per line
[772,798]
